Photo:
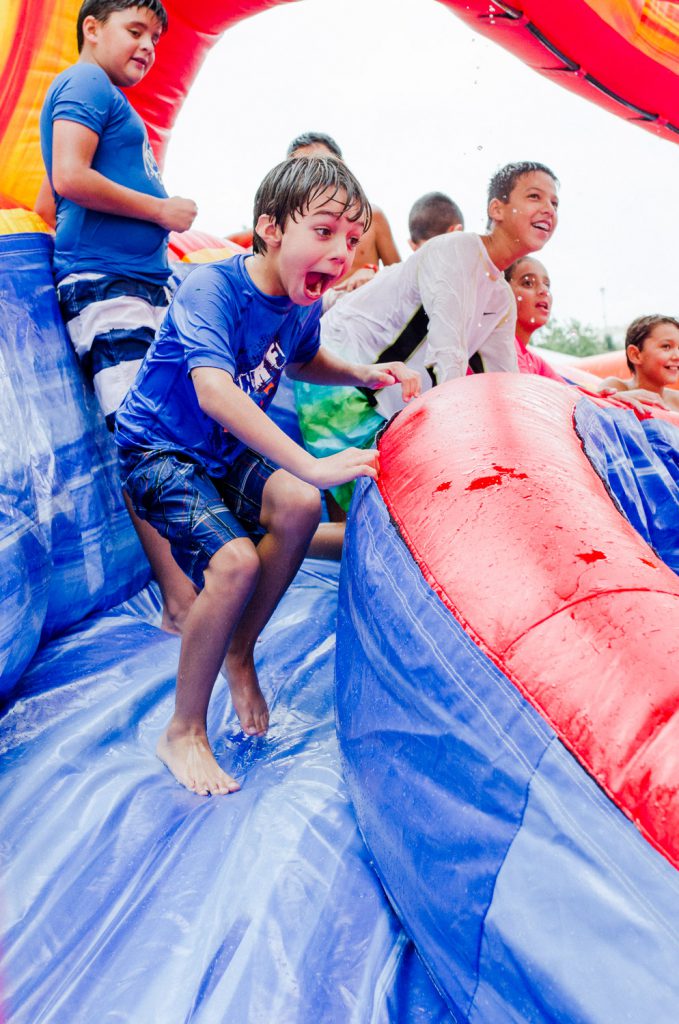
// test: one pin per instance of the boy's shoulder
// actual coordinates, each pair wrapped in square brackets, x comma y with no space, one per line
[88,79]
[223,276]
[456,248]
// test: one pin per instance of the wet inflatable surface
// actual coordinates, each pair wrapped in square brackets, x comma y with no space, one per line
[508,700]
[124,897]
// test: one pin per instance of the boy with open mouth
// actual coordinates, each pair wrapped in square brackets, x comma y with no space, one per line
[204,464]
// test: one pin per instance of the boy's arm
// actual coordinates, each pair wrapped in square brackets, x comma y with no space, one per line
[224,402]
[384,240]
[44,204]
[446,287]
[327,368]
[74,178]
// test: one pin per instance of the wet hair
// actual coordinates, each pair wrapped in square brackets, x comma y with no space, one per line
[503,182]
[103,9]
[639,330]
[291,187]
[313,139]
[511,269]
[433,214]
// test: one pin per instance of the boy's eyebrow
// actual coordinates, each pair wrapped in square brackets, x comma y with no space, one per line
[326,211]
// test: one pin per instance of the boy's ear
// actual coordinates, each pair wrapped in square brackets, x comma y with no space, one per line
[456,227]
[413,245]
[496,210]
[90,26]
[634,354]
[268,230]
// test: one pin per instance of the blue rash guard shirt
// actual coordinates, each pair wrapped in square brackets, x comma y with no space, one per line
[218,318]
[86,240]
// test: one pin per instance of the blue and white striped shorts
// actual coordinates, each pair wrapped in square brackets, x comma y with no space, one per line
[111,322]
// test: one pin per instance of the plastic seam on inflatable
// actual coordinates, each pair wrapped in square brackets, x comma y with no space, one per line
[444,597]
[511,14]
[583,600]
[519,826]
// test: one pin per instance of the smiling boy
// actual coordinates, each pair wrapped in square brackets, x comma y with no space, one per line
[113,217]
[652,354]
[206,466]
[445,308]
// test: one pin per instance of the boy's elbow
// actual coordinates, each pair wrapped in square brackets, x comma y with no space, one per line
[66,182]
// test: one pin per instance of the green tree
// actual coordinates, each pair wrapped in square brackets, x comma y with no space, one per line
[575,339]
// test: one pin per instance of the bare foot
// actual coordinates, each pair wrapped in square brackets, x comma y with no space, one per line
[248,699]
[191,761]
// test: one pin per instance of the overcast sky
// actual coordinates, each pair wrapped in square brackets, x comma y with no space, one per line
[418,102]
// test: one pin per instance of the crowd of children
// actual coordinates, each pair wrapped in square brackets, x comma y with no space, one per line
[225,503]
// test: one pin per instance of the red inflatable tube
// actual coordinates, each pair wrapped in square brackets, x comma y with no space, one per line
[553,583]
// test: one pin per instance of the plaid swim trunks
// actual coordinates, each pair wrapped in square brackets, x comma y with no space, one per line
[198,513]
[111,322]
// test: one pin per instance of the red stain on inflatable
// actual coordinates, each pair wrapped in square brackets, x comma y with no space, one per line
[485,481]
[443,487]
[494,481]
[591,556]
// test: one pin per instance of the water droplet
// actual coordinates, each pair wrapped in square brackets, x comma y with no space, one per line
[479,148]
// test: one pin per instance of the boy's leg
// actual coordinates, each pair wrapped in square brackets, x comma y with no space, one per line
[327,542]
[290,513]
[230,578]
[177,590]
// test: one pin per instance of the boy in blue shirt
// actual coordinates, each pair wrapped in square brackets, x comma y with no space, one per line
[204,464]
[113,217]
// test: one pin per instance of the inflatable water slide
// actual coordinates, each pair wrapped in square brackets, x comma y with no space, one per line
[466,807]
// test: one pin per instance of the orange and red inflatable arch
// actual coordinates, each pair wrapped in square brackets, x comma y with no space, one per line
[623,54]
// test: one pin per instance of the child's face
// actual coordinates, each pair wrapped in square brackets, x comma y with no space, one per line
[530,214]
[532,291]
[314,251]
[124,45]
[657,361]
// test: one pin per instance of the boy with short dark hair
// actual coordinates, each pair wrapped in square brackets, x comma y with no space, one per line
[433,214]
[113,214]
[377,245]
[652,355]
[113,217]
[445,308]
[206,466]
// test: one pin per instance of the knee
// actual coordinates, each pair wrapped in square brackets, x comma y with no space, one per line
[234,568]
[291,505]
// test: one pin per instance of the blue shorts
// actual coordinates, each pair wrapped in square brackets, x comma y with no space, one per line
[198,513]
[111,322]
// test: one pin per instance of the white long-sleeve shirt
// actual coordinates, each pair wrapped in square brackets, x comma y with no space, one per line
[468,304]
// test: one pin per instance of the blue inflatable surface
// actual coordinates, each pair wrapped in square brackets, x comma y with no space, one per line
[529,893]
[123,897]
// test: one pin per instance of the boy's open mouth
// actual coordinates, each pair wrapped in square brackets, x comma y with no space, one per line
[542,225]
[315,283]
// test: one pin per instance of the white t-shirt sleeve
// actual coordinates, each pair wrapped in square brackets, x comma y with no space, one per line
[444,282]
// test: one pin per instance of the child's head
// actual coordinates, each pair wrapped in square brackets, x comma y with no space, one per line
[309,216]
[433,214]
[121,36]
[652,351]
[314,144]
[530,283]
[522,202]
